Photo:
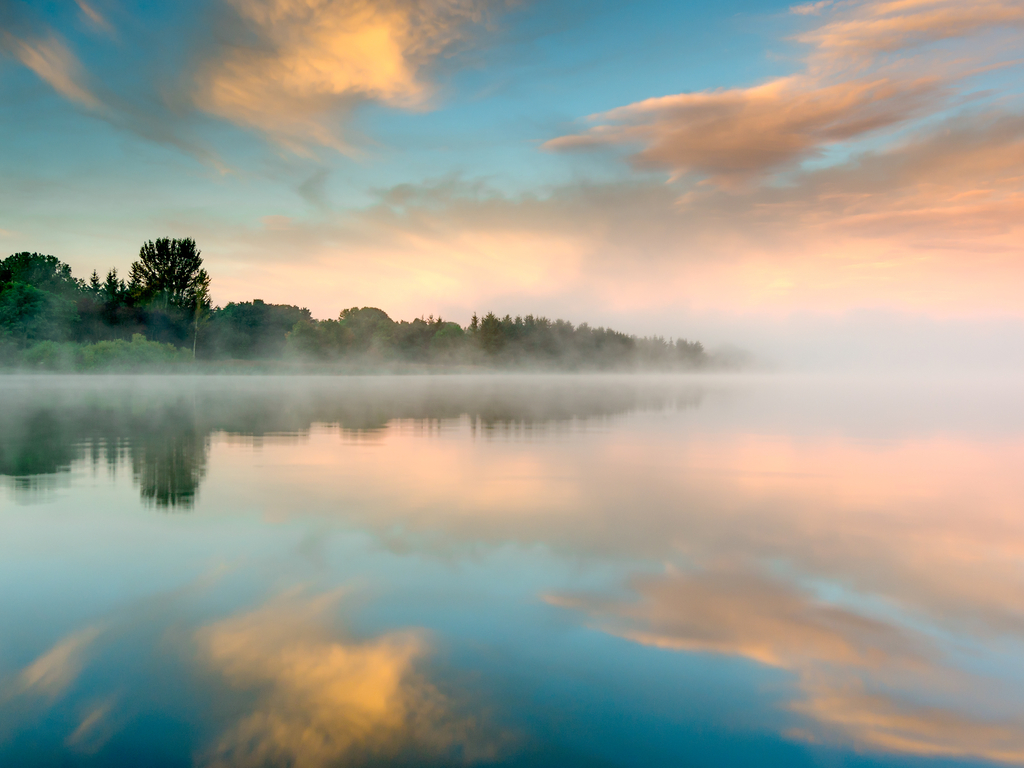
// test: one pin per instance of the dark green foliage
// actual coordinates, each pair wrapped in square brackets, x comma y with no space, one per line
[169,281]
[250,330]
[168,274]
[369,334]
[37,299]
[491,335]
[41,301]
[447,340]
[28,314]
[47,273]
[109,355]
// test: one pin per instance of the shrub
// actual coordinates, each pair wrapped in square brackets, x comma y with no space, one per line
[121,355]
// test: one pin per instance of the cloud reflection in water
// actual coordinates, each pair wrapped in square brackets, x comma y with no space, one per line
[320,701]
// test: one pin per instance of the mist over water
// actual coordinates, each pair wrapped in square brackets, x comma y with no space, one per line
[512,570]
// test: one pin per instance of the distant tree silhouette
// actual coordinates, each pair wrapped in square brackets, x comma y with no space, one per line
[50,319]
[491,335]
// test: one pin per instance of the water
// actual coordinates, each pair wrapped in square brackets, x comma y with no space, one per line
[565,571]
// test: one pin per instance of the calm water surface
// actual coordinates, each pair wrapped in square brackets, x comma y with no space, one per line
[521,571]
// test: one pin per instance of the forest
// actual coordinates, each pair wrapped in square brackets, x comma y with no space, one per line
[161,316]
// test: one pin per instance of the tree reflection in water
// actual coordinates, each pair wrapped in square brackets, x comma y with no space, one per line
[161,427]
[163,443]
[169,462]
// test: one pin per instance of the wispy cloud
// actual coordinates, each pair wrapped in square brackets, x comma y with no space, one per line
[52,61]
[50,58]
[95,17]
[810,9]
[861,31]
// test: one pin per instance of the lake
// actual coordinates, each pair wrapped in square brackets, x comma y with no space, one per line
[511,570]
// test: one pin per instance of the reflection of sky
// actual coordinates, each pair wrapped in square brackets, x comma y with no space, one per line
[788,570]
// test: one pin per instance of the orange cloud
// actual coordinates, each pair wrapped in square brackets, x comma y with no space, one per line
[315,57]
[729,136]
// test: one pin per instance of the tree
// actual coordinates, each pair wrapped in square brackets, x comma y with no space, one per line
[491,334]
[112,287]
[202,311]
[47,273]
[169,273]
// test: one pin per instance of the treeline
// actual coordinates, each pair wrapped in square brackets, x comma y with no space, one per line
[161,315]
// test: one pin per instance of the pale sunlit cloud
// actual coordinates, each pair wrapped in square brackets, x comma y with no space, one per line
[54,63]
[316,58]
[95,17]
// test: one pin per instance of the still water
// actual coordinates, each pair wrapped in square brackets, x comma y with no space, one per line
[515,571]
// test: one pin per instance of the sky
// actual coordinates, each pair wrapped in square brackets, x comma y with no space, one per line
[814,182]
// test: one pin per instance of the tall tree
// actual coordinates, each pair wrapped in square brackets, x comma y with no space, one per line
[169,273]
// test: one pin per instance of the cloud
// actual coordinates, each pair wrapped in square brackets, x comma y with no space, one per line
[848,91]
[730,136]
[863,30]
[53,62]
[296,65]
[95,17]
[904,227]
[319,701]
[810,9]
